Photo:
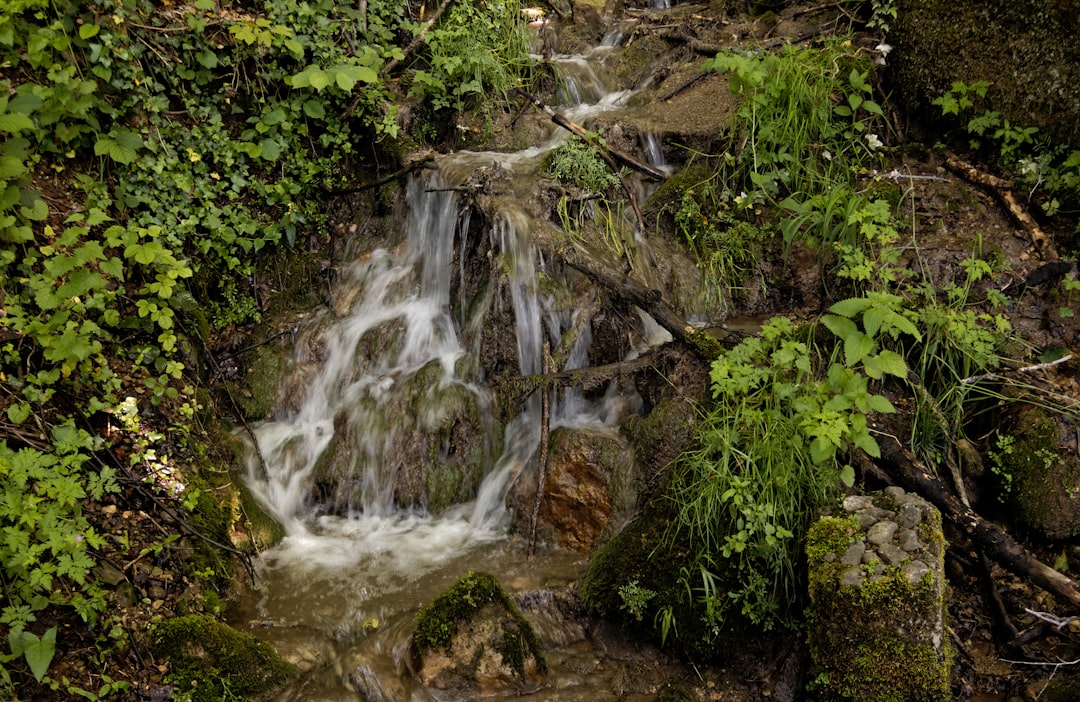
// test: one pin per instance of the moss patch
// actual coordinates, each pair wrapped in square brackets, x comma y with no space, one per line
[212,661]
[438,623]
[870,642]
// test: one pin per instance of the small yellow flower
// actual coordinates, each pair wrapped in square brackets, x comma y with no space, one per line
[117,19]
[193,157]
[215,176]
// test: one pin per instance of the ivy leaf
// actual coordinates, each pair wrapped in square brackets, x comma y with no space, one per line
[208,59]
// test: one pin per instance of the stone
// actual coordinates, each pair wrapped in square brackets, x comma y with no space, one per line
[876,630]
[881,532]
[910,515]
[908,540]
[589,476]
[854,553]
[854,503]
[472,641]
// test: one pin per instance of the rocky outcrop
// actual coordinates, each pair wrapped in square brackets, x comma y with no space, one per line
[472,641]
[1028,49]
[877,591]
[590,481]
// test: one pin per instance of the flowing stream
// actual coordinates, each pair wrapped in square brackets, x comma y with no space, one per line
[397,356]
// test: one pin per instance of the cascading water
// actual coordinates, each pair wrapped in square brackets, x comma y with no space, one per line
[349,469]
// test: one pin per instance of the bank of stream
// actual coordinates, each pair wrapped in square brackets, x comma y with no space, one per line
[389,403]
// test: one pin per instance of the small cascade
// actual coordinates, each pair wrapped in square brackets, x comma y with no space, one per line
[395,418]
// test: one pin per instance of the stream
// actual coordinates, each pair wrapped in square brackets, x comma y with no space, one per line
[396,360]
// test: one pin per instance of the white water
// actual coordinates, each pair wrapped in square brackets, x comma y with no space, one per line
[351,561]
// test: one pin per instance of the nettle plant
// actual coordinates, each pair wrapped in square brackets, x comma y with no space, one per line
[771,452]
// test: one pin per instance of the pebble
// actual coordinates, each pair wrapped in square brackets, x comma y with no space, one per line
[881,532]
[910,516]
[854,553]
[914,571]
[908,540]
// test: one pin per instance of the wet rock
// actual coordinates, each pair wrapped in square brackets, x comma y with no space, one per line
[590,476]
[1040,472]
[472,640]
[877,630]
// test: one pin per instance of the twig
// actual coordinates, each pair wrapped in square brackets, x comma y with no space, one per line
[381,181]
[1026,369]
[542,459]
[1053,620]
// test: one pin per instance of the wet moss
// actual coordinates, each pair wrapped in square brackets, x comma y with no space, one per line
[857,639]
[438,623]
[210,661]
[1044,481]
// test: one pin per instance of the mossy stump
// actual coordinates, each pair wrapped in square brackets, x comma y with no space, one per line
[877,592]
[211,661]
[472,640]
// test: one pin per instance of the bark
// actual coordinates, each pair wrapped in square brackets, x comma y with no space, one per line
[996,543]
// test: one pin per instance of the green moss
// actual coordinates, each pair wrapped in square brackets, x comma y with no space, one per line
[863,651]
[259,530]
[211,661]
[438,623]
[1043,481]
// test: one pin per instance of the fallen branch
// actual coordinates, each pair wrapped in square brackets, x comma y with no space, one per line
[997,544]
[651,301]
[542,459]
[1002,190]
[611,156]
[696,45]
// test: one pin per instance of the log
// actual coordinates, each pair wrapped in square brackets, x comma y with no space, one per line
[1002,190]
[997,544]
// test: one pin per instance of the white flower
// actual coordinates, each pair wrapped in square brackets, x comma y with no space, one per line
[883,49]
[873,142]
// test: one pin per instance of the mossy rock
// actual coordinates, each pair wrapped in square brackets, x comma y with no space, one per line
[880,640]
[647,556]
[211,661]
[473,637]
[1044,478]
[1028,49]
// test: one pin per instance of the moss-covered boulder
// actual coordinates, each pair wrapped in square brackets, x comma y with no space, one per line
[1039,473]
[211,661]
[472,640]
[877,590]
[1028,49]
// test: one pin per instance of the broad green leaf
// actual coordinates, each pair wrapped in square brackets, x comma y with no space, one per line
[867,443]
[13,123]
[87,31]
[11,167]
[270,149]
[208,59]
[274,117]
[880,403]
[18,412]
[38,652]
[851,307]
[847,476]
[841,326]
[857,346]
[38,211]
[314,109]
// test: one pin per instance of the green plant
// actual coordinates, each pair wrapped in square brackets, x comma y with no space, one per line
[578,163]
[476,51]
[789,137]
[770,452]
[1050,172]
[727,248]
[635,598]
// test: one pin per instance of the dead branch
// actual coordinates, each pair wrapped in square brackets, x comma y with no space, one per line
[695,44]
[997,544]
[381,181]
[1002,190]
[611,156]
[542,459]
[686,84]
[652,301]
